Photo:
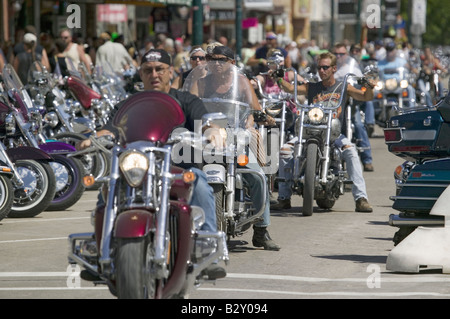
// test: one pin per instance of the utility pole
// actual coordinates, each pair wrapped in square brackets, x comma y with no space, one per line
[332,25]
[197,25]
[238,28]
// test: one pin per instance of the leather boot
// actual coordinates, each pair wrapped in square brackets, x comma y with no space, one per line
[261,238]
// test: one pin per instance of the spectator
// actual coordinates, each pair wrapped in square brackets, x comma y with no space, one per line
[113,53]
[74,51]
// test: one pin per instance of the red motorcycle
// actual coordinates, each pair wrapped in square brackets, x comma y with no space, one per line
[147,241]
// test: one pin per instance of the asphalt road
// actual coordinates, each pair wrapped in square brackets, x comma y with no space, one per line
[332,254]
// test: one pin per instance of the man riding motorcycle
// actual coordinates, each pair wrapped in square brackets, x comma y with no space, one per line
[156,72]
[315,92]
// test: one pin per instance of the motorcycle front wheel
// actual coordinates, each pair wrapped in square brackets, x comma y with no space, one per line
[69,188]
[310,177]
[133,278]
[6,196]
[37,191]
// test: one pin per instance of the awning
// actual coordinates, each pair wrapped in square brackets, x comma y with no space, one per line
[150,2]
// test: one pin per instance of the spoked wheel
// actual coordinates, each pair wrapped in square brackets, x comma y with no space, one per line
[37,191]
[310,177]
[69,188]
[6,196]
[133,277]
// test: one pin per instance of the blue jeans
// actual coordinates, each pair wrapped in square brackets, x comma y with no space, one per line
[354,170]
[369,111]
[362,137]
[202,196]
[256,191]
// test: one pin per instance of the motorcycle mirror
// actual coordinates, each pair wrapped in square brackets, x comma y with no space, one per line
[217,118]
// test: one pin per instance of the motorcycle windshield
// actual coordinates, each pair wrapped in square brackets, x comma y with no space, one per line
[222,88]
[148,116]
[348,65]
[16,90]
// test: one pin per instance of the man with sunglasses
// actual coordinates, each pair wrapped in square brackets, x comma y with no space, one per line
[315,93]
[197,56]
[156,72]
[347,64]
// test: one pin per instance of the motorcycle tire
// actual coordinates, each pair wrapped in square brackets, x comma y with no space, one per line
[310,177]
[6,196]
[325,203]
[133,280]
[69,173]
[218,190]
[97,165]
[39,188]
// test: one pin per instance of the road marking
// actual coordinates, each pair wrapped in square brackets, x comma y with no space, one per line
[12,221]
[27,240]
[51,288]
[416,278]
[331,293]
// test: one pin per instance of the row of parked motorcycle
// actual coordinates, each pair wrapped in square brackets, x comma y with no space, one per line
[40,123]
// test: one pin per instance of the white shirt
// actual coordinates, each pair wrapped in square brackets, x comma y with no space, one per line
[114,53]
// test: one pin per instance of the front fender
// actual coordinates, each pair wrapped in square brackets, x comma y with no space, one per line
[27,153]
[57,148]
[133,224]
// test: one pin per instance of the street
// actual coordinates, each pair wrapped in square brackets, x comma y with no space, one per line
[331,254]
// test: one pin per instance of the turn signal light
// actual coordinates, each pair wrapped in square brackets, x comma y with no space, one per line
[188,177]
[88,180]
[242,160]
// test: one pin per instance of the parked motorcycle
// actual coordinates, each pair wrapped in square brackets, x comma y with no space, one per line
[147,241]
[24,128]
[227,169]
[421,138]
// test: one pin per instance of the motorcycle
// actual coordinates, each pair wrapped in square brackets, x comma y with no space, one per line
[24,128]
[228,170]
[319,171]
[147,241]
[391,94]
[419,136]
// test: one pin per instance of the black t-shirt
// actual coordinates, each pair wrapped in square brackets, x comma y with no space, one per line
[319,93]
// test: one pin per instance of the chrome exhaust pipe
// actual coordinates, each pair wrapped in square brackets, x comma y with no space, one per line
[398,221]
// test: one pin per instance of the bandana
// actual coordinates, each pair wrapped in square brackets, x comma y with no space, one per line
[157,55]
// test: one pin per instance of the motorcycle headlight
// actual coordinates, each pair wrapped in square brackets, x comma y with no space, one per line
[51,118]
[134,166]
[391,84]
[379,86]
[404,84]
[10,124]
[315,115]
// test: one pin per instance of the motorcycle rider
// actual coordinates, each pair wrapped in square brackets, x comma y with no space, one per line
[429,64]
[316,92]
[347,64]
[393,61]
[156,71]
[218,81]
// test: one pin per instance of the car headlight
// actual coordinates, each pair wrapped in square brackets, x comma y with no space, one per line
[391,84]
[404,84]
[315,115]
[134,166]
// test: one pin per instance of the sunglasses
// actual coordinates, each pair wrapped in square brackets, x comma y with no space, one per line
[340,54]
[324,67]
[200,58]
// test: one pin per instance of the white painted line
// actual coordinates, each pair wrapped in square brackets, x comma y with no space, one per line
[28,240]
[384,278]
[332,293]
[37,220]
[51,288]
[38,274]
